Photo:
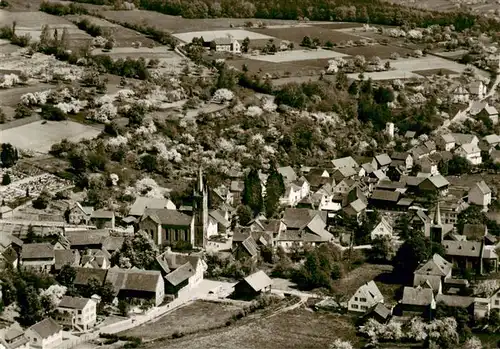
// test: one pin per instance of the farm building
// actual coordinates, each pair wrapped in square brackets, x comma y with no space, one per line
[225,45]
[253,285]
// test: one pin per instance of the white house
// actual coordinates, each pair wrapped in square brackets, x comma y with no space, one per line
[295,191]
[365,298]
[80,214]
[471,152]
[492,140]
[482,108]
[226,45]
[477,89]
[495,300]
[383,228]
[460,95]
[78,313]
[446,142]
[480,194]
[46,334]
[427,165]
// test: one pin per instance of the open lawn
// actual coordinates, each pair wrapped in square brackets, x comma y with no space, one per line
[297,329]
[424,63]
[12,96]
[297,55]
[183,25]
[196,316]
[382,51]
[296,34]
[39,136]
[281,69]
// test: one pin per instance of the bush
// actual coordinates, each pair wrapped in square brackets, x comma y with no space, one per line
[6,180]
[49,112]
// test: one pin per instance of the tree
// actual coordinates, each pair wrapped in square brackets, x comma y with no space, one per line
[8,155]
[471,215]
[473,343]
[275,188]
[140,252]
[306,41]
[252,192]
[66,275]
[30,306]
[414,251]
[3,117]
[149,163]
[42,201]
[136,114]
[245,45]
[340,344]
[22,111]
[123,307]
[244,214]
[64,43]
[458,165]
[6,180]
[382,249]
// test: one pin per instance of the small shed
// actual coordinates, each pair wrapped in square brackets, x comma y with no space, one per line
[253,285]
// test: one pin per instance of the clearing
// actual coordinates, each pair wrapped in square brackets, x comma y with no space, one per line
[424,63]
[285,331]
[178,24]
[196,316]
[308,67]
[385,75]
[296,34]
[238,34]
[39,136]
[297,55]
[382,51]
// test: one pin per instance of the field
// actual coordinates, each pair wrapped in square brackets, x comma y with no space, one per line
[123,36]
[237,34]
[31,23]
[483,7]
[160,52]
[382,51]
[297,55]
[298,68]
[429,62]
[431,72]
[10,97]
[385,75]
[296,34]
[196,316]
[182,25]
[298,329]
[39,136]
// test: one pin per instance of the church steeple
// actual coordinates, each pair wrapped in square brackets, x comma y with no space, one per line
[437,215]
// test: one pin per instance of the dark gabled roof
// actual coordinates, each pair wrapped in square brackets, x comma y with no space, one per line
[181,274]
[113,243]
[46,328]
[385,195]
[437,265]
[417,296]
[141,203]
[133,279]
[73,302]
[250,246]
[102,214]
[455,301]
[400,155]
[84,275]
[381,310]
[383,159]
[438,181]
[86,237]
[298,218]
[462,248]
[37,251]
[258,281]
[389,185]
[10,255]
[169,261]
[66,257]
[168,217]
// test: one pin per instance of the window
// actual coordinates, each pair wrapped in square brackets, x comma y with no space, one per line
[497,302]
[362,299]
[176,235]
[354,306]
[356,299]
[79,311]
[167,237]
[364,307]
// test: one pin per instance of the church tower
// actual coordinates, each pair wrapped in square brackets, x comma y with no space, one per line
[200,211]
[437,226]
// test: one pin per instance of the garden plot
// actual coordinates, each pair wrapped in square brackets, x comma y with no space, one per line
[297,55]
[237,34]
[39,136]
[431,62]
[34,184]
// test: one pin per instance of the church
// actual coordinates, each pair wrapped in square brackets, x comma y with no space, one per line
[167,227]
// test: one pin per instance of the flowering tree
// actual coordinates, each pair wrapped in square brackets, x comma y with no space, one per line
[340,344]
[472,343]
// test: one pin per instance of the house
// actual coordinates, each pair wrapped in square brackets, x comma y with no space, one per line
[10,258]
[434,272]
[39,257]
[103,219]
[303,226]
[97,259]
[410,134]
[244,246]
[228,44]
[13,337]
[481,110]
[136,283]
[253,285]
[471,152]
[85,275]
[435,183]
[446,142]
[380,313]
[343,186]
[427,165]
[464,138]
[366,297]
[46,334]
[86,239]
[347,161]
[77,313]
[480,194]
[477,89]
[460,94]
[141,203]
[400,159]
[113,243]
[383,161]
[344,173]
[384,199]
[66,257]
[473,305]
[495,299]
[294,192]
[288,173]
[355,209]
[471,255]
[418,300]
[218,223]
[383,228]
[167,227]
[79,214]
[492,140]
[182,272]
